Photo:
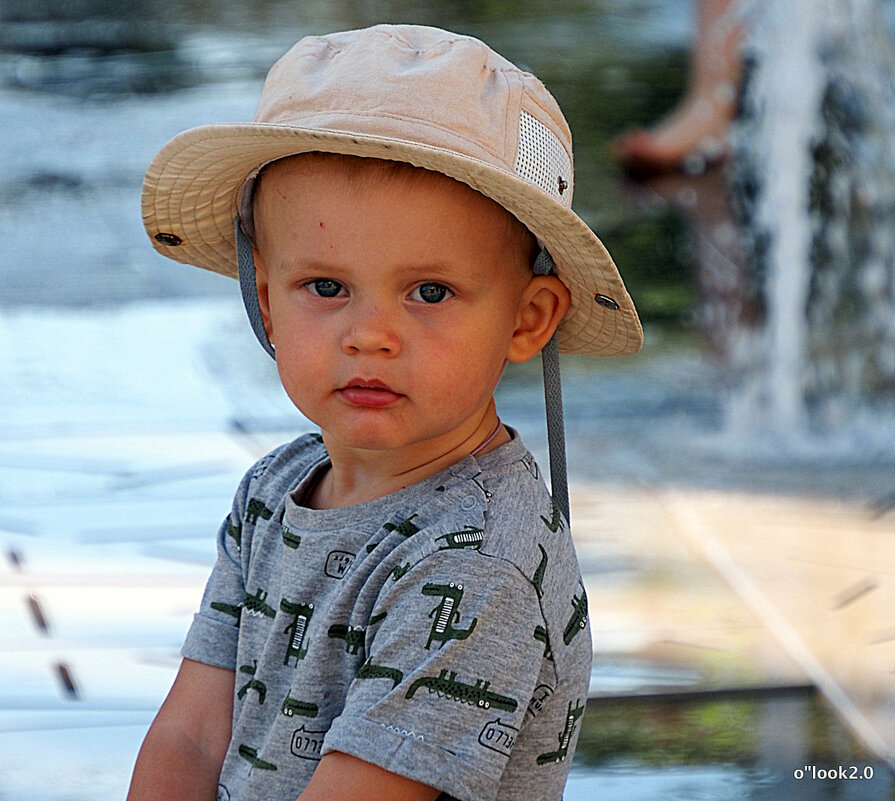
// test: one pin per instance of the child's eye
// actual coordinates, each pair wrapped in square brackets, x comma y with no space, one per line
[325,287]
[431,293]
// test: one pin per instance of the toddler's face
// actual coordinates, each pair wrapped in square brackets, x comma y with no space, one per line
[392,299]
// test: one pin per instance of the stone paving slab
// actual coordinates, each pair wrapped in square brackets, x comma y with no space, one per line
[656,604]
[819,573]
[707,589]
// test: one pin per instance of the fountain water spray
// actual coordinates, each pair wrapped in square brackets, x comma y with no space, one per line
[817,142]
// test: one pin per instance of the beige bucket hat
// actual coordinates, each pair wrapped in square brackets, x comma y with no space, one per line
[435,99]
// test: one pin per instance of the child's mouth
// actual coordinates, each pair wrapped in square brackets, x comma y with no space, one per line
[368,392]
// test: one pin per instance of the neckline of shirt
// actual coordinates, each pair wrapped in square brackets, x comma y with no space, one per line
[451,478]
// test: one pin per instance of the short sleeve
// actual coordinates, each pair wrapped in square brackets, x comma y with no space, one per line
[453,657]
[214,633]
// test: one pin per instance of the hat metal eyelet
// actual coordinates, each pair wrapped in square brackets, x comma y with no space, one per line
[606,301]
[168,239]
[562,184]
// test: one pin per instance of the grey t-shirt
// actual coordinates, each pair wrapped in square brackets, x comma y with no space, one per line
[439,632]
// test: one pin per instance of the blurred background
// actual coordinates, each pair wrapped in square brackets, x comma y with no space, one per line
[733,486]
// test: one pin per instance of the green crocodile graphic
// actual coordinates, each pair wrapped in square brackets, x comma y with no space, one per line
[256,509]
[370,671]
[228,609]
[290,538]
[235,532]
[374,619]
[445,685]
[540,634]
[469,537]
[405,527]
[446,614]
[354,636]
[401,571]
[565,736]
[297,629]
[252,684]
[555,523]
[292,706]
[257,604]
[251,756]
[578,620]
[538,578]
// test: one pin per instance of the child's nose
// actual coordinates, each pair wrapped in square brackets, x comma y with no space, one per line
[372,329]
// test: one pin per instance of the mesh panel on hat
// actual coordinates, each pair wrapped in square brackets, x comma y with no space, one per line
[542,160]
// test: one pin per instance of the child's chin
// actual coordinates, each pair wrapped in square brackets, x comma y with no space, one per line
[369,438]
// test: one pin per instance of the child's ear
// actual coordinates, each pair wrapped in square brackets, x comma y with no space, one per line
[543,304]
[261,281]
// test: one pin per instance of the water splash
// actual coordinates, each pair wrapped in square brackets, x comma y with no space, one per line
[816,174]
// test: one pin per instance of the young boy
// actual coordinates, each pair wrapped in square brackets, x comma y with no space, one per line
[396,610]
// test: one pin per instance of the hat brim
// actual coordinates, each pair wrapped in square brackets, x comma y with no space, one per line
[191,187]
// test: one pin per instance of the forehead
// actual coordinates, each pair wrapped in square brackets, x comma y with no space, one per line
[331,172]
[323,203]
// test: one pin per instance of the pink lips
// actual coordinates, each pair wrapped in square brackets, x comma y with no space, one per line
[368,392]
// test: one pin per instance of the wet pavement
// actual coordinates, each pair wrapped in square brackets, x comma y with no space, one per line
[109,495]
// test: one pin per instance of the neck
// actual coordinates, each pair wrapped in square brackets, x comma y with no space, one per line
[359,475]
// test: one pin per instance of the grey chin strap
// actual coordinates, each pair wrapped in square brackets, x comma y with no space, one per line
[245,260]
[556,437]
[556,434]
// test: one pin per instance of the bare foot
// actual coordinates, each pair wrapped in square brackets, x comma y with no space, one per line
[694,135]
[692,138]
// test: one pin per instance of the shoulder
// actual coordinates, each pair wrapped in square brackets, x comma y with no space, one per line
[524,527]
[275,473]
[261,494]
[522,522]
[497,506]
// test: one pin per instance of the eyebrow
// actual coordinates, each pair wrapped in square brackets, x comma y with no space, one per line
[433,269]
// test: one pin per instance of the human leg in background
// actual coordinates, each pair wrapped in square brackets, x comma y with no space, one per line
[694,134]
